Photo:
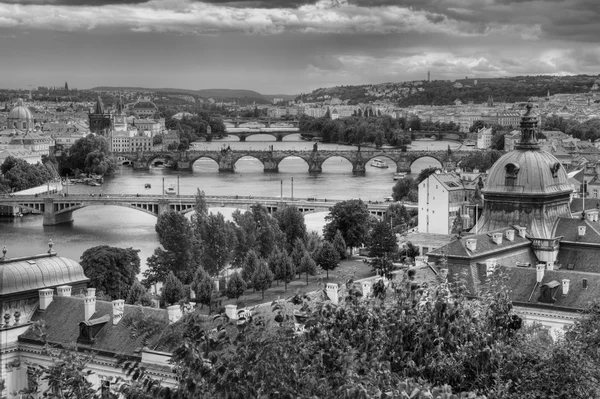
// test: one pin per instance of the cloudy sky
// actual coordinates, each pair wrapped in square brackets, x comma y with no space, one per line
[290,46]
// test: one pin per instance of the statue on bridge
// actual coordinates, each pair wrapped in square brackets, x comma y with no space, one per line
[315,147]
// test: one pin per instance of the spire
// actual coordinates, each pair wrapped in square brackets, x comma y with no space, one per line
[529,123]
[99,106]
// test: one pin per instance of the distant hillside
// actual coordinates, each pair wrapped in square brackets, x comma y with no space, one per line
[216,94]
[445,92]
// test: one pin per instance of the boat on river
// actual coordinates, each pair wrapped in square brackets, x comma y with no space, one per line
[378,163]
[171,190]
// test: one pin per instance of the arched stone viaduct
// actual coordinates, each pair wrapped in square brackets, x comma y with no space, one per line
[57,209]
[278,134]
[227,158]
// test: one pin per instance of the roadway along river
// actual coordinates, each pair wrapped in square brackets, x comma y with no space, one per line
[124,227]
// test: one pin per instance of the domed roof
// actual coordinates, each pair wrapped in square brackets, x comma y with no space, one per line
[38,272]
[529,172]
[527,169]
[20,112]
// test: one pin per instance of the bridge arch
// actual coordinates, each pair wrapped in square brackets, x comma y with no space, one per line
[421,160]
[333,156]
[291,157]
[391,161]
[168,156]
[147,209]
[248,157]
[204,156]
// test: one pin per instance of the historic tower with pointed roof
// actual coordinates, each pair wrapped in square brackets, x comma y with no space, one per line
[100,120]
[527,187]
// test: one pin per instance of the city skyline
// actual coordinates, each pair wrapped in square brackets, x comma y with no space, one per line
[291,46]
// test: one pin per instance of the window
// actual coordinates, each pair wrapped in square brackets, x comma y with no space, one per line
[512,170]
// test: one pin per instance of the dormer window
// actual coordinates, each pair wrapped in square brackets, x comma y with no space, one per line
[554,169]
[512,170]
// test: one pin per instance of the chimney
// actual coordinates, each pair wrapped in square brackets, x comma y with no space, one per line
[118,309]
[490,266]
[472,244]
[589,216]
[510,235]
[63,290]
[497,237]
[174,312]
[584,283]
[581,230]
[522,231]
[89,304]
[565,286]
[540,272]
[332,292]
[46,296]
[550,265]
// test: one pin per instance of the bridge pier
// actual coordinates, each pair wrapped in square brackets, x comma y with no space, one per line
[183,165]
[314,167]
[242,137]
[279,137]
[358,168]
[140,165]
[52,218]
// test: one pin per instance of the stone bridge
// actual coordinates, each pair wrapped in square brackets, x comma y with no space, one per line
[58,208]
[227,158]
[264,122]
[279,134]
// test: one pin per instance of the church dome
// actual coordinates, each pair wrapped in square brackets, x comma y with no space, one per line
[20,112]
[527,172]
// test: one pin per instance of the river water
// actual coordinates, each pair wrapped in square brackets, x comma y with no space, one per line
[123,227]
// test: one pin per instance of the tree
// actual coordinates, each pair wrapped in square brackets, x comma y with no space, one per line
[138,295]
[351,218]
[307,265]
[262,278]
[204,288]
[398,217]
[340,245]
[218,242]
[382,240]
[82,148]
[425,173]
[176,235]
[18,174]
[111,270]
[250,265]
[172,290]
[328,258]
[291,223]
[159,265]
[403,187]
[236,286]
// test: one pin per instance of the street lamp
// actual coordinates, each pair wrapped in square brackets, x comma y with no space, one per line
[292,188]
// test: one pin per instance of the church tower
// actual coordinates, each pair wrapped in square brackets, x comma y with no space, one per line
[100,120]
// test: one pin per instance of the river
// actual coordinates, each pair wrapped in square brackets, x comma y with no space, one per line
[123,227]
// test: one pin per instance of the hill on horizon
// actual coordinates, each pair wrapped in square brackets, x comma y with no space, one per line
[205,93]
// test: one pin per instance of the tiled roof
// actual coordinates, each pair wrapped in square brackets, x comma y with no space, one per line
[522,283]
[568,228]
[590,203]
[64,314]
[485,245]
[578,259]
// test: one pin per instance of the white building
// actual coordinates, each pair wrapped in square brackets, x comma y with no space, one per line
[442,198]
[484,138]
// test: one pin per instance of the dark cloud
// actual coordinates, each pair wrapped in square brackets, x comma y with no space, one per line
[270,4]
[73,2]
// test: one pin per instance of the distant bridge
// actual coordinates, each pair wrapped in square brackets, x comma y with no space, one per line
[265,122]
[227,158]
[278,133]
[58,209]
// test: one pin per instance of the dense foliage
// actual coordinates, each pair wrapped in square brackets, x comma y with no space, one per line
[351,218]
[376,130]
[370,347]
[18,174]
[89,154]
[111,270]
